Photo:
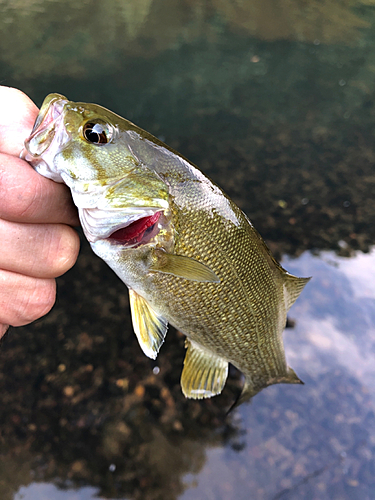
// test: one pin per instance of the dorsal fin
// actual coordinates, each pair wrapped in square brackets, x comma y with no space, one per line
[293,287]
[149,327]
[204,374]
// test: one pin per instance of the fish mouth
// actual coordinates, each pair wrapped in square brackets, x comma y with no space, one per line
[47,137]
[128,228]
[138,232]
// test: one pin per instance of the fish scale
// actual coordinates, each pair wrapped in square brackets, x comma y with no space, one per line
[237,312]
[201,266]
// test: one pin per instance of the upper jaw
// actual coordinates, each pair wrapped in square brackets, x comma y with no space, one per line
[47,137]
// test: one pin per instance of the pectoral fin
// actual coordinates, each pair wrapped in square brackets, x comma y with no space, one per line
[149,327]
[183,267]
[204,374]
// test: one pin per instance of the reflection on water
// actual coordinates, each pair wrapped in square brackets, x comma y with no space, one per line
[275,102]
[146,27]
[45,491]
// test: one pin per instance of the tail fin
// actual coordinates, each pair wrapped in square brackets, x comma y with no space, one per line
[249,390]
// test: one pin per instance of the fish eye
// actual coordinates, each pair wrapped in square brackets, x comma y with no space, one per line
[97,133]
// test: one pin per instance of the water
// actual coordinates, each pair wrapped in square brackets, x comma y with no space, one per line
[275,102]
[46,491]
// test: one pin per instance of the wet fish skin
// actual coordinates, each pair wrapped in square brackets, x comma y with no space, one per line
[201,266]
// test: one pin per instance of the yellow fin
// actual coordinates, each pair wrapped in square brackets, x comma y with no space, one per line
[204,374]
[183,267]
[293,287]
[149,328]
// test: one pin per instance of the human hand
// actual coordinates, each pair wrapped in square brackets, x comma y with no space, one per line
[36,240]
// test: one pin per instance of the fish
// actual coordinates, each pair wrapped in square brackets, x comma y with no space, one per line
[188,255]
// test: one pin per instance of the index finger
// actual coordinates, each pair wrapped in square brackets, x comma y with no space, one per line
[26,196]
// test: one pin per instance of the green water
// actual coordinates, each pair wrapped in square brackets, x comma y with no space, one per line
[275,102]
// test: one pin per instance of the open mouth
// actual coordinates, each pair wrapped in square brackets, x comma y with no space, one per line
[47,138]
[45,126]
[139,231]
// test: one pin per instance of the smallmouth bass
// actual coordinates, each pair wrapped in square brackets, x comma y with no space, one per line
[188,255]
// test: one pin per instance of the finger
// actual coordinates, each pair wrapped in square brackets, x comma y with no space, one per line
[38,250]
[27,196]
[24,299]
[17,117]
[3,330]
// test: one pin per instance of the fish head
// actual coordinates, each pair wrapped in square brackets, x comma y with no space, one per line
[86,146]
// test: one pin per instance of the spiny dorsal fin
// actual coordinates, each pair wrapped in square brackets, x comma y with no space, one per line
[149,328]
[204,374]
[183,267]
[293,287]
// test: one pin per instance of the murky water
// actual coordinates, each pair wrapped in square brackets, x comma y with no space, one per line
[275,102]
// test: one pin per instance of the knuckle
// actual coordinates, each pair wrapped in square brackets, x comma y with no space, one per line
[19,198]
[36,303]
[24,299]
[62,251]
[29,204]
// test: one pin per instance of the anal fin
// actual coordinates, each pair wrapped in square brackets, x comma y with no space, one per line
[204,374]
[149,327]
